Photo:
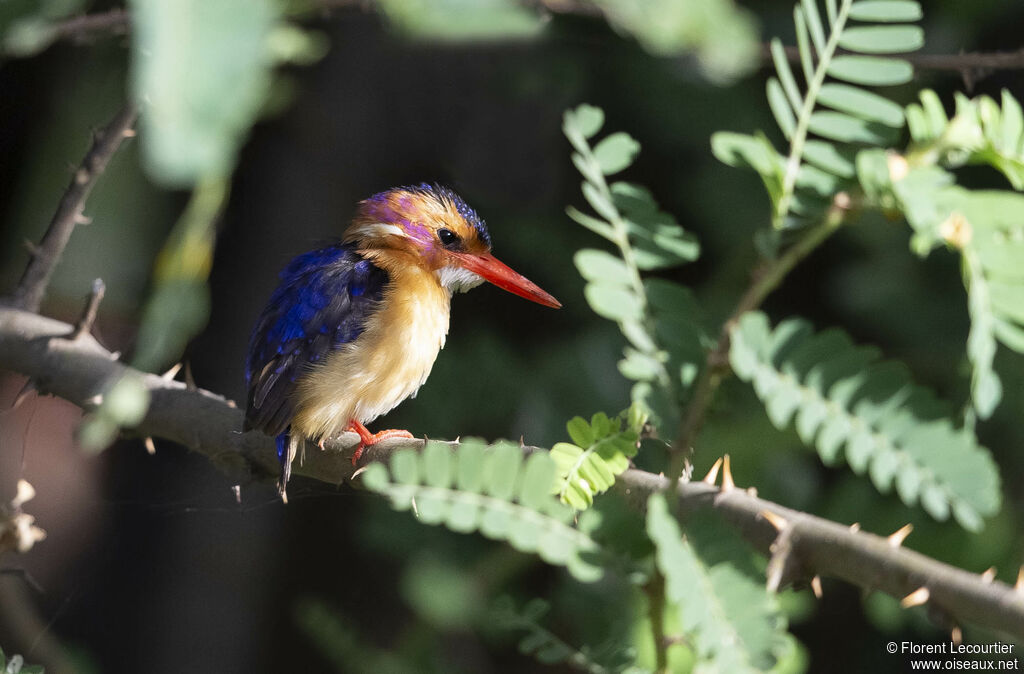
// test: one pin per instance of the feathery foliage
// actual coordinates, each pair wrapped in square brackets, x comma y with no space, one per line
[659,318]
[828,120]
[735,623]
[547,648]
[491,490]
[984,226]
[600,450]
[839,395]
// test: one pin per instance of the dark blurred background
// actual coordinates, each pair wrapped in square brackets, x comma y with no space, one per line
[151,566]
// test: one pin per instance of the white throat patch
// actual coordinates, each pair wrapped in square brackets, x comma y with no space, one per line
[457,279]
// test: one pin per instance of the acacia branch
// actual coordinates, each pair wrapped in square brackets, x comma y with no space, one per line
[78,370]
[29,293]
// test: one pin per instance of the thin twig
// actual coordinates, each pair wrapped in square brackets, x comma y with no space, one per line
[92,305]
[972,65]
[716,365]
[29,293]
[204,422]
[655,591]
[90,26]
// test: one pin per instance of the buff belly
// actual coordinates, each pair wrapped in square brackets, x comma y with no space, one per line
[385,365]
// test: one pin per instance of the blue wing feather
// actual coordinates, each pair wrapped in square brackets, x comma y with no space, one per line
[323,301]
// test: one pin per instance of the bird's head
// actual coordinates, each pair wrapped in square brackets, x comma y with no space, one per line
[432,227]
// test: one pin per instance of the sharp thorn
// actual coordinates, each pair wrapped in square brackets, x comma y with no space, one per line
[897,537]
[150,447]
[231,403]
[989,575]
[1019,585]
[816,587]
[774,519]
[855,527]
[713,473]
[359,471]
[752,492]
[415,510]
[916,598]
[26,492]
[727,482]
[23,394]
[128,133]
[82,219]
[237,491]
[190,382]
[172,373]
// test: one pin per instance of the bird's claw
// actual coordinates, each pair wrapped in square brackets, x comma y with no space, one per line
[367,439]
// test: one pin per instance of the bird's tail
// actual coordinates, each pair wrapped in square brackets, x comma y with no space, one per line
[287,448]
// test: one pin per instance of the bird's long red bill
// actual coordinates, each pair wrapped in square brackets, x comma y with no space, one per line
[497,272]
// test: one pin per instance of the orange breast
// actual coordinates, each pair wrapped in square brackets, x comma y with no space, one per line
[389,361]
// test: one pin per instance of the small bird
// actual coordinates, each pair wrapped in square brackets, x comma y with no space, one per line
[354,328]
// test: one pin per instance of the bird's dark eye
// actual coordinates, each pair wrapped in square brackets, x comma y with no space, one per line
[447,237]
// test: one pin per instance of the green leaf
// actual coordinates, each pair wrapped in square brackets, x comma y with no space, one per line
[828,157]
[740,149]
[199,102]
[439,468]
[986,388]
[588,168]
[588,119]
[885,10]
[861,103]
[612,302]
[640,366]
[600,266]
[734,624]
[599,227]
[870,70]
[616,152]
[882,39]
[814,24]
[789,85]
[780,108]
[846,129]
[803,43]
[841,396]
[599,201]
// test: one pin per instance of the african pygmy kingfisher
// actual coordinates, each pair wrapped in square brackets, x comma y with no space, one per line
[353,329]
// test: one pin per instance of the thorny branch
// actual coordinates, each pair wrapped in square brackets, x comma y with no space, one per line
[78,370]
[29,293]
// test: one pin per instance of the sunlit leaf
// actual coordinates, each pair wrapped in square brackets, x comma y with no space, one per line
[871,70]
[885,10]
[616,152]
[882,39]
[199,102]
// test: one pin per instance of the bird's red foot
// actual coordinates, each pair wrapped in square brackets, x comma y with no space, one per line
[366,438]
